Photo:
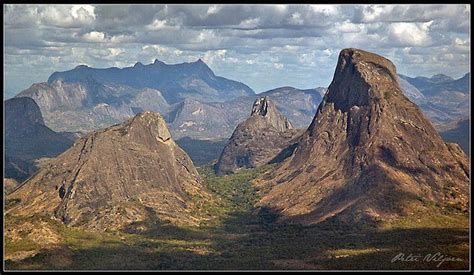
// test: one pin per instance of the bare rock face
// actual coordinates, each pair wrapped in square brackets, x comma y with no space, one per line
[114,177]
[257,140]
[369,153]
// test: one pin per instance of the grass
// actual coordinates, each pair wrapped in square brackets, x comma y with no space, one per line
[237,236]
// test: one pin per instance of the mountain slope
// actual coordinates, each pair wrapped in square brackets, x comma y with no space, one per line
[369,154]
[257,140]
[113,178]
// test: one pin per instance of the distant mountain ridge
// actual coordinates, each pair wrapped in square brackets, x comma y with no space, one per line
[446,100]
[438,83]
[176,81]
[200,105]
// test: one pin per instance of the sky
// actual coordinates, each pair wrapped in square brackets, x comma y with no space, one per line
[263,46]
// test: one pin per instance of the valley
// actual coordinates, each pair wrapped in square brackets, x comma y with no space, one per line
[233,235]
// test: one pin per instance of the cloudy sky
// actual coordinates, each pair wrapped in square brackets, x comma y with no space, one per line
[264,46]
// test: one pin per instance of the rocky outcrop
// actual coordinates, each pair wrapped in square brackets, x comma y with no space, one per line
[109,179]
[257,140]
[368,155]
[28,139]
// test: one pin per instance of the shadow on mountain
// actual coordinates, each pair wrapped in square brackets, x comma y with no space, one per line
[252,240]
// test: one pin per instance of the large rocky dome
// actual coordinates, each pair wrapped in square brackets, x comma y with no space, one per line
[114,177]
[369,153]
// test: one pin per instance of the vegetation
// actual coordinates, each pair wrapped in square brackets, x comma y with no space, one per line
[202,151]
[238,236]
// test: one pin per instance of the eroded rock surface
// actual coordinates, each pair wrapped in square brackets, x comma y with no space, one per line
[369,153]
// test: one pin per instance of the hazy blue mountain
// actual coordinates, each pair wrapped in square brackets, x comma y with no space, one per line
[28,139]
[176,81]
[421,82]
[446,100]
[411,91]
[439,83]
[89,104]
[458,132]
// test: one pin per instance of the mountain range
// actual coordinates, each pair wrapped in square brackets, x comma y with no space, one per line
[85,99]
[445,100]
[176,81]
[200,105]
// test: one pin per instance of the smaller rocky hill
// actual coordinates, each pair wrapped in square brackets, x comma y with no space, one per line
[257,140]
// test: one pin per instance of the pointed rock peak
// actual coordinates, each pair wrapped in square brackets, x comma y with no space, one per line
[201,64]
[138,64]
[262,106]
[265,108]
[149,122]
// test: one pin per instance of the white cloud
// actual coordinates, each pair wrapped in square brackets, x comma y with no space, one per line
[94,36]
[66,15]
[157,25]
[296,19]
[348,27]
[410,34]
[213,9]
[211,57]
